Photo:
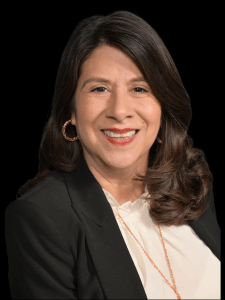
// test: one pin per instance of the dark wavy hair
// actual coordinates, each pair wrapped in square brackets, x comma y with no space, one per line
[178,176]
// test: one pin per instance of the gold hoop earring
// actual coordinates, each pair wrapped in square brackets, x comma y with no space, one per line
[64,132]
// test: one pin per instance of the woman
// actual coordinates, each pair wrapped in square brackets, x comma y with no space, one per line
[122,206]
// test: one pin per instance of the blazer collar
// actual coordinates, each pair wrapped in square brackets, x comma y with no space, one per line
[105,241]
[87,194]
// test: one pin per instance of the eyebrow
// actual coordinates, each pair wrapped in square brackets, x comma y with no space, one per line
[100,79]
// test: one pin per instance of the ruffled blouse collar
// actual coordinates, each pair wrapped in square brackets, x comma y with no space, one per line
[132,210]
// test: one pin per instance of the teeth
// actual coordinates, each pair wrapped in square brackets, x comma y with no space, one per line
[118,135]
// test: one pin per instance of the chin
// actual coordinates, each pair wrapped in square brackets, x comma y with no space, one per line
[120,161]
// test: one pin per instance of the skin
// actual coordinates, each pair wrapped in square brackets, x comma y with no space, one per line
[118,103]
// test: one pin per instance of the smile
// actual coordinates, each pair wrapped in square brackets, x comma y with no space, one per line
[118,139]
[120,135]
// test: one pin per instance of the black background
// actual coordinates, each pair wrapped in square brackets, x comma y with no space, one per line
[34,38]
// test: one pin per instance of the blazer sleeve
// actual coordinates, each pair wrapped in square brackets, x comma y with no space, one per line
[41,265]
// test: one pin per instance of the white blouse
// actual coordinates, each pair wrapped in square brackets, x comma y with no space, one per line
[196,269]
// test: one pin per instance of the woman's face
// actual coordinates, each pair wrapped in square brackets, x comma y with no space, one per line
[112,93]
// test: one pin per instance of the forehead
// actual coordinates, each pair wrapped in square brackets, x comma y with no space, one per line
[105,58]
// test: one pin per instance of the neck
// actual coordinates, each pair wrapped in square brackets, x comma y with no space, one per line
[119,183]
[124,194]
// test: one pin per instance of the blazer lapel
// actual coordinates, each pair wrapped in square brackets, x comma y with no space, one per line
[207,228]
[110,255]
[116,270]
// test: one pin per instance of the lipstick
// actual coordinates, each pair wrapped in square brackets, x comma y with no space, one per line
[120,141]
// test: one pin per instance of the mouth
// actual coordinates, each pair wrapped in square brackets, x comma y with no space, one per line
[120,134]
[122,139]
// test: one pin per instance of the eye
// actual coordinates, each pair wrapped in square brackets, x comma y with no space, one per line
[99,89]
[140,90]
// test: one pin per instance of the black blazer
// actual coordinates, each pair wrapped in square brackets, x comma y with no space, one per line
[63,241]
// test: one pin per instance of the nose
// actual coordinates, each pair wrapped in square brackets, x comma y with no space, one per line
[120,106]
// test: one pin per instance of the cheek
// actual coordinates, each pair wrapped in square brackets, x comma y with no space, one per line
[84,111]
[87,113]
[152,114]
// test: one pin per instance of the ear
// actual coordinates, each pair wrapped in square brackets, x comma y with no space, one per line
[73,118]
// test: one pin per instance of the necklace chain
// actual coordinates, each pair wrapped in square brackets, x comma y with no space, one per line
[173,288]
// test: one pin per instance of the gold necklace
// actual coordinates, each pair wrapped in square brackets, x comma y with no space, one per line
[173,288]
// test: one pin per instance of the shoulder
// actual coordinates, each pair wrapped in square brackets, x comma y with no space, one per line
[48,200]
[49,194]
